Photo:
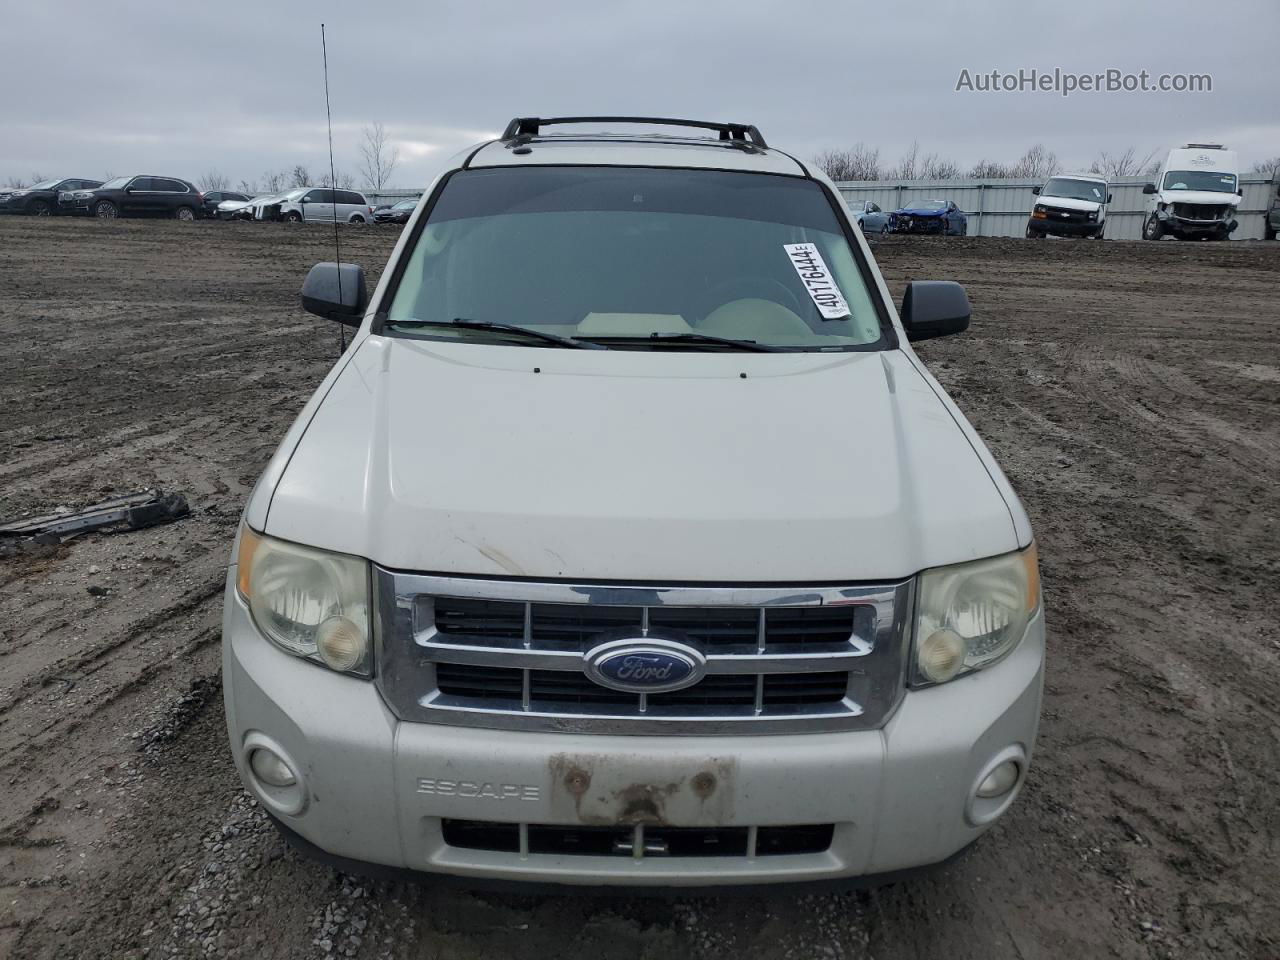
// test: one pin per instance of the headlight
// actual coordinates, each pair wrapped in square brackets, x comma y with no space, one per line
[970,615]
[1093,214]
[19,193]
[309,602]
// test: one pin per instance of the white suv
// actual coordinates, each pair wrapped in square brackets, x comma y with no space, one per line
[630,542]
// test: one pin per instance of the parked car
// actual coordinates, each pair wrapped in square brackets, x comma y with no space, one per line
[930,216]
[40,199]
[396,213]
[870,218]
[318,204]
[214,198]
[140,196]
[1070,206]
[1196,195]
[249,210]
[238,209]
[788,645]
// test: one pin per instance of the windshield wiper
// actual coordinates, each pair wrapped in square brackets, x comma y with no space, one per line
[701,338]
[529,332]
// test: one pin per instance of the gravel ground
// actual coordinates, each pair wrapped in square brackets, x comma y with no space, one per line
[1130,390]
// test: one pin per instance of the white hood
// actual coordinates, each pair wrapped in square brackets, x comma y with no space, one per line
[1069,203]
[632,465]
[1215,197]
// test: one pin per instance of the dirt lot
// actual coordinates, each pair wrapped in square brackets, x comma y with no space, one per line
[1130,390]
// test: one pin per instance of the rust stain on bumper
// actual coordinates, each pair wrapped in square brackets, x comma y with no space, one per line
[603,790]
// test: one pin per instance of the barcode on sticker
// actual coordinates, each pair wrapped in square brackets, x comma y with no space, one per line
[817,279]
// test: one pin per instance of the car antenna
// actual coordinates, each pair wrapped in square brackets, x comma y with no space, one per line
[333,186]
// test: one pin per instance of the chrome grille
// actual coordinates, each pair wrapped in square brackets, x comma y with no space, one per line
[511,654]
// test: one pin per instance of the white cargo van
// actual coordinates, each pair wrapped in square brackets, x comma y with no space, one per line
[1196,194]
[1070,206]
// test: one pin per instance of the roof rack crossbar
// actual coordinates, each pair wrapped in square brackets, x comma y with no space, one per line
[746,133]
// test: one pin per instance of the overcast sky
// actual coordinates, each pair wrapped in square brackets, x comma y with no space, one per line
[91,88]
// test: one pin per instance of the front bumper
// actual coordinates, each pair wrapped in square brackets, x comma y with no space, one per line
[1188,227]
[1063,228]
[376,790]
[919,225]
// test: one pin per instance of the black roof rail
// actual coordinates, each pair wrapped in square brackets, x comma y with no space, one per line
[746,134]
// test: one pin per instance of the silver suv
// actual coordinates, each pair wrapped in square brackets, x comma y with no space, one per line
[318,204]
[631,543]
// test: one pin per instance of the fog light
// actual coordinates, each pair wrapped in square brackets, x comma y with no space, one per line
[341,644]
[271,769]
[942,655]
[999,781]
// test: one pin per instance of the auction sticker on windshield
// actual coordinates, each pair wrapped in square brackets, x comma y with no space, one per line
[817,279]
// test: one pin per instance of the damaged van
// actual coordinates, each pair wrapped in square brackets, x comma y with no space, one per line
[1195,196]
[630,542]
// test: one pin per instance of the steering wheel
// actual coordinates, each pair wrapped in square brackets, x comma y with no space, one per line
[744,288]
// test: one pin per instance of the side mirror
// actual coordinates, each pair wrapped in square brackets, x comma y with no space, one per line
[1036,191]
[1108,198]
[336,291]
[304,200]
[1148,188]
[1240,192]
[934,308]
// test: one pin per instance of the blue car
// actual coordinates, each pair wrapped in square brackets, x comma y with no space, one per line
[930,216]
[871,219]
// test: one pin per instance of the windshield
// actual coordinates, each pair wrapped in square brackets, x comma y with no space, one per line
[406,205]
[1200,180]
[1091,190]
[926,205]
[115,183]
[44,185]
[626,254]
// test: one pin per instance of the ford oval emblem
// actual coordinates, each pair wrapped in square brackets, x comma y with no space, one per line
[645,665]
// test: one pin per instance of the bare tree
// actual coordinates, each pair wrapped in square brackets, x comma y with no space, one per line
[39,177]
[990,170]
[15,183]
[273,181]
[1126,164]
[247,187]
[1270,168]
[378,157]
[299,176]
[907,168]
[213,180]
[931,166]
[1038,162]
[859,163]
[934,167]
[341,179]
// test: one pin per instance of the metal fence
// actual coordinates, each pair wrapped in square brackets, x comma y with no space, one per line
[1000,208]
